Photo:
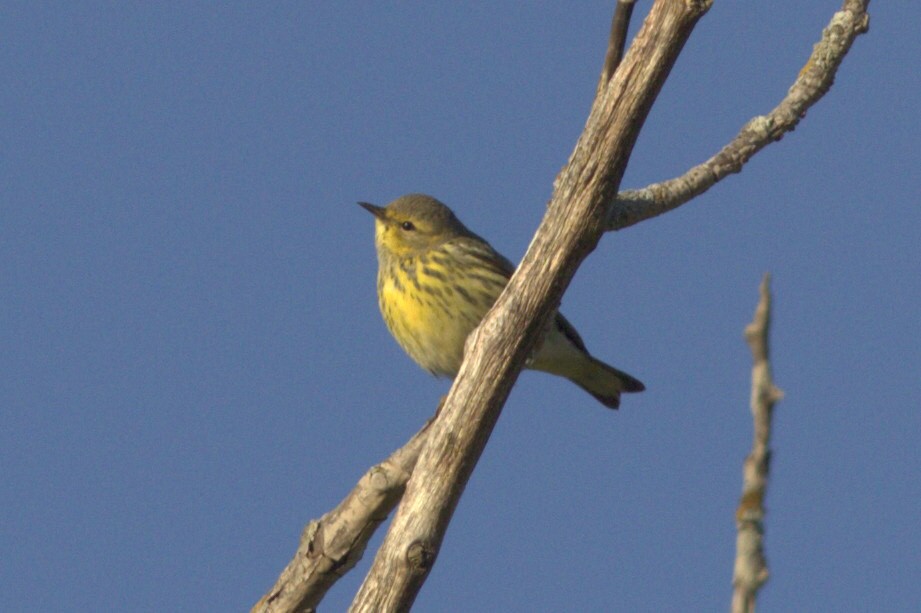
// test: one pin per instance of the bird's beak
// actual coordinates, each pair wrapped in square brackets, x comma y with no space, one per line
[377,211]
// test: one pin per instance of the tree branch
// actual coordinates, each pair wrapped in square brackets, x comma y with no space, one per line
[333,544]
[751,571]
[497,349]
[814,80]
[616,41]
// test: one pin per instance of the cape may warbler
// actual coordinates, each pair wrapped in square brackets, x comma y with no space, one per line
[436,281]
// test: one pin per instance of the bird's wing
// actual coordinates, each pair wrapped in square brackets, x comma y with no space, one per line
[494,261]
[569,332]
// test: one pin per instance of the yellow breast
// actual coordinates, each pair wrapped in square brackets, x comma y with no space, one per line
[427,316]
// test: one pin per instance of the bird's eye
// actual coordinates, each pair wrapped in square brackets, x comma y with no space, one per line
[408,226]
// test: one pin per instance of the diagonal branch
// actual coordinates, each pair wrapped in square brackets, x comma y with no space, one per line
[751,570]
[814,80]
[496,351]
[332,545]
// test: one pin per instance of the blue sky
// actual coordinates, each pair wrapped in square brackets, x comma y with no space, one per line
[194,366]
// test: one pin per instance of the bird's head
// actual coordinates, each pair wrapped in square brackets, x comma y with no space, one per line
[412,225]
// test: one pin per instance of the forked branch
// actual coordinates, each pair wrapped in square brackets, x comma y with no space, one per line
[332,545]
[617,39]
[813,82]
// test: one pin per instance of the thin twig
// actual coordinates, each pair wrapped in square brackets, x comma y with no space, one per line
[751,569]
[814,80]
[617,40]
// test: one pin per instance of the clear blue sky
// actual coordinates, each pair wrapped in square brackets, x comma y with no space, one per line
[193,364]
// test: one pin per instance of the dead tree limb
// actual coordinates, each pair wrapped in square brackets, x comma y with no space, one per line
[332,545]
[751,569]
[814,80]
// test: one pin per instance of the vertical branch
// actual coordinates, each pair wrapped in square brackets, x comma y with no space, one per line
[751,570]
[616,40]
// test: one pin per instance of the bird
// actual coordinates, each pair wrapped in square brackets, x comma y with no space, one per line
[436,281]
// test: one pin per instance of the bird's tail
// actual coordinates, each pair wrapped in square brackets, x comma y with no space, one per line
[604,382]
[563,353]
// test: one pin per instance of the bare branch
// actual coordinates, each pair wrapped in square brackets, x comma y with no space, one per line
[751,570]
[616,41]
[813,82]
[497,349]
[333,544]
